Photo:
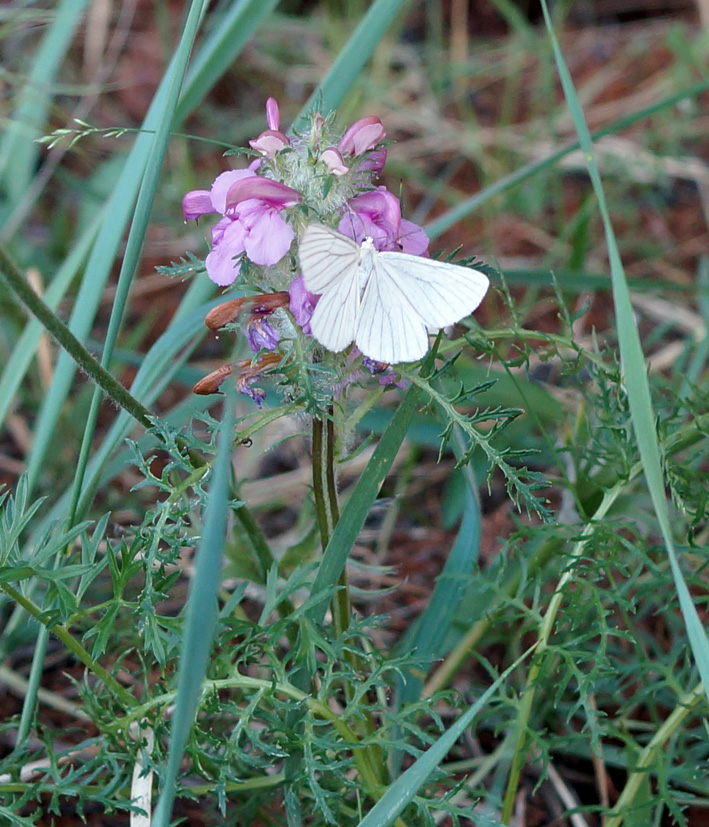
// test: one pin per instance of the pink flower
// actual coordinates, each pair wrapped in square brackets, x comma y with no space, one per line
[255,204]
[202,202]
[269,143]
[272,141]
[362,136]
[302,304]
[251,223]
[377,215]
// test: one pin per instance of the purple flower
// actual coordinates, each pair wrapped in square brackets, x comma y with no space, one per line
[246,373]
[260,333]
[255,203]
[362,138]
[387,375]
[302,304]
[377,215]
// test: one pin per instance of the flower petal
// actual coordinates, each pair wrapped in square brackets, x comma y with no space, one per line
[269,143]
[223,263]
[333,161]
[413,238]
[260,333]
[268,239]
[275,194]
[197,203]
[273,115]
[223,182]
[302,303]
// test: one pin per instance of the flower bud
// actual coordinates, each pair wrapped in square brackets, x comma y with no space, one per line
[269,143]
[362,136]
[228,312]
[333,161]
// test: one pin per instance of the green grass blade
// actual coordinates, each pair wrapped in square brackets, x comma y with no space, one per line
[201,612]
[427,637]
[634,371]
[352,59]
[18,150]
[220,50]
[156,372]
[140,173]
[25,350]
[118,211]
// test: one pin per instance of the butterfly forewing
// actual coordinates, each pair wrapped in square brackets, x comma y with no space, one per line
[326,258]
[334,320]
[441,293]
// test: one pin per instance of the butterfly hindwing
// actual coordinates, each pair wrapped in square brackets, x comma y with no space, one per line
[390,328]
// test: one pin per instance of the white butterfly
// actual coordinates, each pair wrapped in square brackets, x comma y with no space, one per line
[384,302]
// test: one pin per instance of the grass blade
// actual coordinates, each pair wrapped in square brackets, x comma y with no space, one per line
[201,612]
[402,791]
[221,49]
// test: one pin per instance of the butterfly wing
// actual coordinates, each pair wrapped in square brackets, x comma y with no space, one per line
[330,265]
[407,294]
[443,293]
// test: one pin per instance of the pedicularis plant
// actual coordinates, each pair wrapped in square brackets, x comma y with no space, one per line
[311,706]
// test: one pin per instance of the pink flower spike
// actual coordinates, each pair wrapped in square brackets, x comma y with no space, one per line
[264,189]
[333,161]
[196,204]
[362,136]
[269,143]
[273,115]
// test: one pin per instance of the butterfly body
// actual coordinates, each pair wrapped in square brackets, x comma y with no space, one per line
[384,302]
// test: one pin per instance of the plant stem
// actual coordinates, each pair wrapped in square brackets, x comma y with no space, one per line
[326,507]
[72,644]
